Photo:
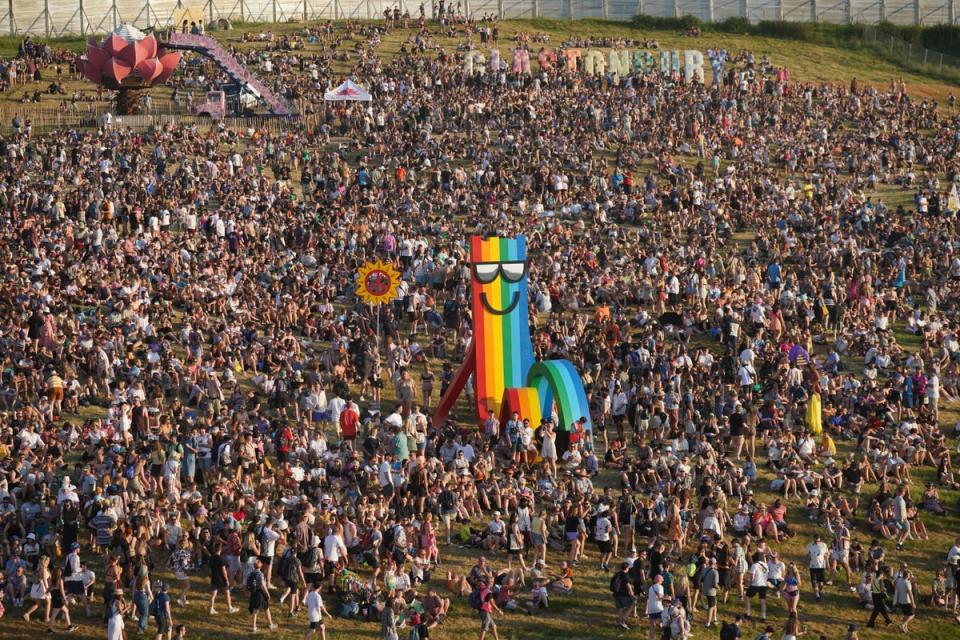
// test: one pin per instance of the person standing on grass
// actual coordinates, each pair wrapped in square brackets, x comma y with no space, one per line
[259,595]
[791,628]
[904,599]
[115,626]
[901,516]
[623,594]
[601,533]
[58,602]
[488,604]
[179,563]
[655,597]
[219,580]
[759,574]
[817,552]
[315,612]
[791,588]
[160,608]
[291,572]
[709,582]
[840,553]
[388,621]
[40,590]
[269,538]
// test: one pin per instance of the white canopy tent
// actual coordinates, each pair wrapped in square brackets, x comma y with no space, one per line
[347,92]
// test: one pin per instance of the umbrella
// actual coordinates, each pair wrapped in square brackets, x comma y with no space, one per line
[671,317]
[799,355]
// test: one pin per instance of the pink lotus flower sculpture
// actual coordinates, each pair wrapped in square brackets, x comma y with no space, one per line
[128,59]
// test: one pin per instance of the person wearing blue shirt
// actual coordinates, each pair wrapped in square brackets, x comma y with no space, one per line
[773,274]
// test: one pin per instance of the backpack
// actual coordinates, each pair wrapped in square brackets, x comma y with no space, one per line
[474,599]
[283,567]
[251,583]
[617,583]
[155,607]
[290,569]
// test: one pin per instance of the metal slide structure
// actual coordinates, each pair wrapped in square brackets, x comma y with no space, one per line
[210,48]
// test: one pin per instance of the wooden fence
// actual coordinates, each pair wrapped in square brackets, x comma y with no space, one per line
[43,119]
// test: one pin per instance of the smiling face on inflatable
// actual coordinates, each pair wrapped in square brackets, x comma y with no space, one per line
[501,326]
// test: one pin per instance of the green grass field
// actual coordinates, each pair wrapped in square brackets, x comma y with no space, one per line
[589,612]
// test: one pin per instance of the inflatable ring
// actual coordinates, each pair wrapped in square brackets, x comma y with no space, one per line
[558,380]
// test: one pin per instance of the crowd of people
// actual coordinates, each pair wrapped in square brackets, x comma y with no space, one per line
[192,389]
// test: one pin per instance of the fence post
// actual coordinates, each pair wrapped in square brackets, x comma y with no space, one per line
[640,7]
[813,10]
[274,3]
[209,14]
[13,27]
[242,18]
[846,11]
[882,10]
[536,8]
[710,11]
[570,9]
[676,8]
[500,9]
[951,13]
[780,10]
[83,27]
[916,11]
[606,9]
[46,16]
[745,9]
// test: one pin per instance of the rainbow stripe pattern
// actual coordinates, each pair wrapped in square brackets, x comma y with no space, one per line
[501,327]
[500,357]
[558,380]
[525,401]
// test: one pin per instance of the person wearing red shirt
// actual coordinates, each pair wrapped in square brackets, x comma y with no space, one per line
[349,418]
[488,605]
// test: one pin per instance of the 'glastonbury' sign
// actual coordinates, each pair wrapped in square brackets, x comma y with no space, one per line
[617,63]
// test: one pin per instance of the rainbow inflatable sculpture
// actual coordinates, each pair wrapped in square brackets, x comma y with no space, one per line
[500,358]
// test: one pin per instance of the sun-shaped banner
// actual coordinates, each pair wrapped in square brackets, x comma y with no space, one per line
[378,282]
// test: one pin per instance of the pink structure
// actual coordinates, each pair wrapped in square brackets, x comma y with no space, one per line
[128,59]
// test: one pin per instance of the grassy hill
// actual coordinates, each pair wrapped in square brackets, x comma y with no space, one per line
[589,612]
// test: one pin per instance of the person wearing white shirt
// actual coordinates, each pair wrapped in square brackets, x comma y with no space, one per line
[745,375]
[268,540]
[655,604]
[776,573]
[954,552]
[759,581]
[333,549]
[933,394]
[817,551]
[334,408]
[601,533]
